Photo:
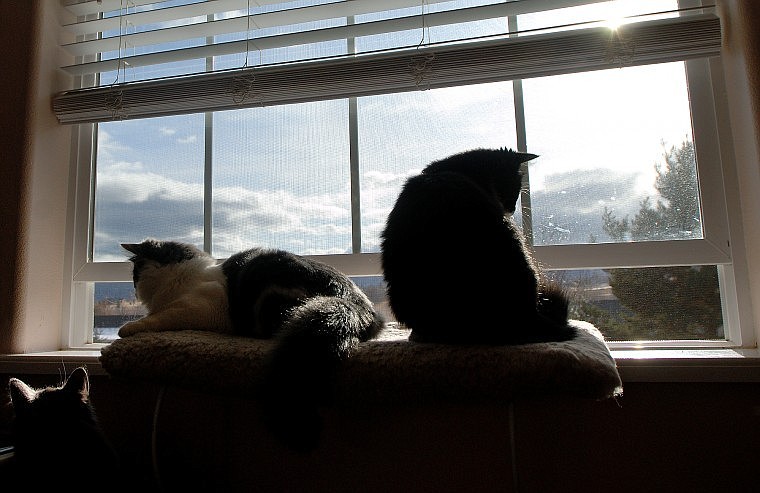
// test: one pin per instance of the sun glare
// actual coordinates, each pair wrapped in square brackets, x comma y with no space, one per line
[617,13]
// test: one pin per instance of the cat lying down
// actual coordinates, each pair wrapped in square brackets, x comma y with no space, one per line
[457,271]
[317,315]
[181,287]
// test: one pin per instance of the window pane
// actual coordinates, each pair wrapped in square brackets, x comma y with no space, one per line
[616,160]
[375,289]
[281,178]
[115,304]
[149,182]
[399,134]
[656,303]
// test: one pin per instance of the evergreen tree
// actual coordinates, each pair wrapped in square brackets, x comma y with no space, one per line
[679,302]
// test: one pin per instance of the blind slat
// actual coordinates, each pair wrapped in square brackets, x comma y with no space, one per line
[134,17]
[519,57]
[281,18]
[90,7]
[232,25]
[203,10]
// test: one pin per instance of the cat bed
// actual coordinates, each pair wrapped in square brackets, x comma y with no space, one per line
[387,369]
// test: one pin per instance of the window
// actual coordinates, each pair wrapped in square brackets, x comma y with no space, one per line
[295,127]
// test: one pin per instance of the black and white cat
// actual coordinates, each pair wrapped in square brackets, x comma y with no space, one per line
[181,286]
[316,313]
[57,440]
[456,266]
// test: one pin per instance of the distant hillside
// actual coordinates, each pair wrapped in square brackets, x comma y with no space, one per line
[114,291]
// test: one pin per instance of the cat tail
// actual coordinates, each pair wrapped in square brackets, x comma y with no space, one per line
[553,308]
[299,375]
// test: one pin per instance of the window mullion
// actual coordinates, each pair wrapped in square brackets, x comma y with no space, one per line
[353,137]
[522,146]
[208,149]
[353,153]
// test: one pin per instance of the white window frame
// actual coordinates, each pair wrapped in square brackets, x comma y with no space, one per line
[713,145]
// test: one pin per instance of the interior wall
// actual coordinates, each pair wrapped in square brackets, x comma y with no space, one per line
[741,63]
[33,179]
[12,172]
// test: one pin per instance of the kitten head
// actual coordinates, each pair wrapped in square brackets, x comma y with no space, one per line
[498,171]
[156,253]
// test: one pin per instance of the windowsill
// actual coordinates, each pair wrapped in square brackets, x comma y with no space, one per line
[688,365]
[51,362]
[639,365]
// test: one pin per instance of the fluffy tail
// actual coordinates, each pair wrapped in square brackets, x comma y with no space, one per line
[553,308]
[300,373]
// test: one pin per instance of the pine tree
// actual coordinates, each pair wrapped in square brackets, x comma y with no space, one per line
[679,302]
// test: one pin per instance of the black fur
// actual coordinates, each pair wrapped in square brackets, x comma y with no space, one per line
[318,316]
[163,252]
[57,439]
[457,268]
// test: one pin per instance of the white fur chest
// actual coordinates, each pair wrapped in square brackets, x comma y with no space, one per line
[187,295]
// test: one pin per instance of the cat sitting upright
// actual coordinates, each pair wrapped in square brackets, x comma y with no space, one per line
[57,440]
[456,266]
[317,315]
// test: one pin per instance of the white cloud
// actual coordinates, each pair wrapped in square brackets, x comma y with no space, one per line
[125,182]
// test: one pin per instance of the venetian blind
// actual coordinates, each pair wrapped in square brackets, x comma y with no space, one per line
[146,58]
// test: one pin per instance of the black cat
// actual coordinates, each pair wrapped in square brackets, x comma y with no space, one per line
[316,313]
[57,440]
[456,266]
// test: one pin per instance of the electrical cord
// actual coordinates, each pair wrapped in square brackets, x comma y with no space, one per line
[154,439]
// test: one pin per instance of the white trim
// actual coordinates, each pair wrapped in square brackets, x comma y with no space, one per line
[739,319]
[581,256]
[631,254]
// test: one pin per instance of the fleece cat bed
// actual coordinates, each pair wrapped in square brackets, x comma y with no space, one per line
[387,369]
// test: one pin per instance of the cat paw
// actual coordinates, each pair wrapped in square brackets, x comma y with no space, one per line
[131,328]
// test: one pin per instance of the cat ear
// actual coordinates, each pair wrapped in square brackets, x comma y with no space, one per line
[78,382]
[21,393]
[131,247]
[524,157]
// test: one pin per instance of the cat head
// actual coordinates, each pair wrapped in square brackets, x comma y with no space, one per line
[498,171]
[45,410]
[77,386]
[55,435]
[157,253]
